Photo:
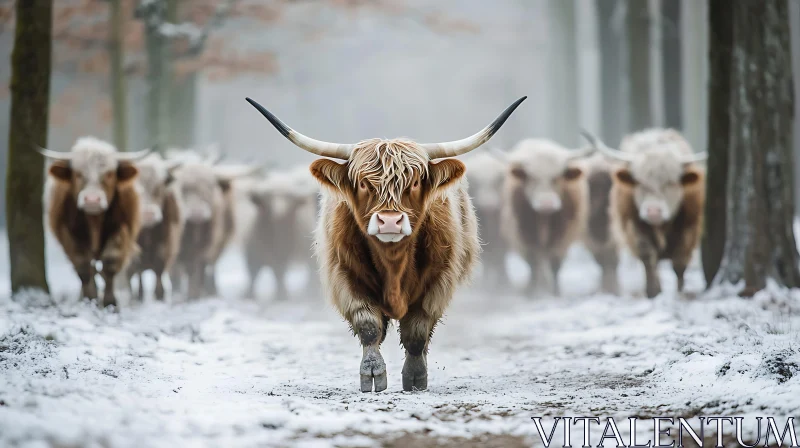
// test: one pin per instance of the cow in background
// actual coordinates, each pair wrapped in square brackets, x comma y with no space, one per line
[600,239]
[486,174]
[657,199]
[93,210]
[545,206]
[286,210]
[162,221]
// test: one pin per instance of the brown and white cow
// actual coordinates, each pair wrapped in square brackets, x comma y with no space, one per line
[486,175]
[397,234]
[601,241]
[93,210]
[207,196]
[657,199]
[286,211]
[162,221]
[545,206]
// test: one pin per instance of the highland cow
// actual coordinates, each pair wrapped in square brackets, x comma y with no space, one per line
[397,234]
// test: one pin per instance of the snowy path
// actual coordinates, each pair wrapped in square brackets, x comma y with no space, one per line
[233,372]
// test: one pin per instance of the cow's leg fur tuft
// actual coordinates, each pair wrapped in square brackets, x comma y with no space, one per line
[370,328]
[416,328]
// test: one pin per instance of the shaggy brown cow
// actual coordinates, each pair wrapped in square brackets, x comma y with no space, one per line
[544,207]
[599,238]
[209,226]
[657,199]
[162,221]
[397,234]
[286,211]
[93,210]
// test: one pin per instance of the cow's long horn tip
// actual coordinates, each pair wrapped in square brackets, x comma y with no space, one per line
[279,125]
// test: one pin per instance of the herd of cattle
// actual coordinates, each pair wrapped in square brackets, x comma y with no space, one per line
[394,223]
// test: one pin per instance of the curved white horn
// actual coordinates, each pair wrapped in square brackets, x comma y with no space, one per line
[602,147]
[54,154]
[463,146]
[696,157]
[581,153]
[131,156]
[318,147]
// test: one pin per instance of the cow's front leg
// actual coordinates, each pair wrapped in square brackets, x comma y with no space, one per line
[647,253]
[158,269]
[555,267]
[415,333]
[535,279]
[114,259]
[370,327]
[608,259]
[281,293]
[86,271]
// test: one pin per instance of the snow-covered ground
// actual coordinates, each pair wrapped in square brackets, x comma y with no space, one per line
[230,371]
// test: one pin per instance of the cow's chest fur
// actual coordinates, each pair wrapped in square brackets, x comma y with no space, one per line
[379,272]
[196,239]
[539,230]
[665,238]
[152,241]
[90,233]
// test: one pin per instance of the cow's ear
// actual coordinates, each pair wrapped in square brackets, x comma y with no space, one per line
[625,177]
[126,171]
[330,173]
[689,178]
[255,198]
[572,173]
[171,168]
[446,171]
[61,171]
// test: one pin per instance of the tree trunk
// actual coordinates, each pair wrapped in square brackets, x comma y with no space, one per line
[760,241]
[637,22]
[720,18]
[611,102]
[119,90]
[671,61]
[794,25]
[563,66]
[157,100]
[30,96]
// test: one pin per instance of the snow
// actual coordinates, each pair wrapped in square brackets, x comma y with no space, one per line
[231,371]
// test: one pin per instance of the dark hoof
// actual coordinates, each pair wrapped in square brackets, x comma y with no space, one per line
[415,374]
[373,371]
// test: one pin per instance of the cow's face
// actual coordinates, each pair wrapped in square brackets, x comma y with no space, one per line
[94,177]
[658,178]
[200,191]
[153,183]
[388,185]
[486,176]
[543,176]
[279,204]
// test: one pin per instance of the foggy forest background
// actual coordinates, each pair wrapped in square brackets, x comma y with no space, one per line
[175,73]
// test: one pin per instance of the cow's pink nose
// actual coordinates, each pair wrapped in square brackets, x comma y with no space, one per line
[92,198]
[653,212]
[389,222]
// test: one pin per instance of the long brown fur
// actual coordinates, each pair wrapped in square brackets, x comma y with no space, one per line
[674,240]
[600,239]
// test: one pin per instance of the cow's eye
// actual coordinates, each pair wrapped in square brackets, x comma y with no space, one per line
[362,186]
[415,185]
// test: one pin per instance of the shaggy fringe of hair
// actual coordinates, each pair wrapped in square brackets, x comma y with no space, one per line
[389,166]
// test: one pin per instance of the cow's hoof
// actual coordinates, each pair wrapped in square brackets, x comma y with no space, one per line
[373,370]
[415,373]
